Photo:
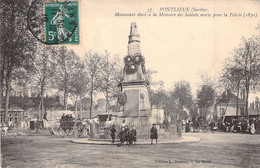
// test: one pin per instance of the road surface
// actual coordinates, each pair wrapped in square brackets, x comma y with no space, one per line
[213,150]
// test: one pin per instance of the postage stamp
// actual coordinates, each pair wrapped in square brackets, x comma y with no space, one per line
[54,21]
[63,21]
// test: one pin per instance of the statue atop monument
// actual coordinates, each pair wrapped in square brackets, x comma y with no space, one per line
[134,61]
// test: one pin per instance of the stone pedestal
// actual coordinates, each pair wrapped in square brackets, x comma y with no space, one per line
[137,99]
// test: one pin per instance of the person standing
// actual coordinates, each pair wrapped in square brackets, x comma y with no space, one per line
[252,126]
[122,136]
[113,133]
[4,129]
[212,125]
[127,134]
[187,127]
[133,135]
[154,134]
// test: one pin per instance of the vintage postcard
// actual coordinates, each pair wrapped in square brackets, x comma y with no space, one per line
[87,83]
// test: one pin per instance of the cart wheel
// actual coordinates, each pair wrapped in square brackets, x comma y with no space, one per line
[86,132]
[198,130]
[78,129]
[205,129]
[50,130]
[55,130]
[70,132]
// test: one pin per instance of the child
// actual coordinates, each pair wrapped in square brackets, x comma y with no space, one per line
[132,136]
[113,133]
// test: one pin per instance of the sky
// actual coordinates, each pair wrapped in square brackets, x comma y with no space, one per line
[179,48]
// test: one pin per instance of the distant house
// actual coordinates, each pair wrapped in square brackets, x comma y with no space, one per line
[15,116]
[22,109]
[226,105]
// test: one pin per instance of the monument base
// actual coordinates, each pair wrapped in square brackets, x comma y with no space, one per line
[142,126]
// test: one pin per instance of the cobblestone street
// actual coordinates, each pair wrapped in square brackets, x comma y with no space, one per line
[213,150]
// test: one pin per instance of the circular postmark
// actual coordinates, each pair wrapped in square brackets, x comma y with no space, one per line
[54,22]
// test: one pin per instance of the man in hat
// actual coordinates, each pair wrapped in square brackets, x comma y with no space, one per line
[154,134]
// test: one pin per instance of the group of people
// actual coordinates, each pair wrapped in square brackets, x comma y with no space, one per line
[234,125]
[129,136]
[125,135]
[241,126]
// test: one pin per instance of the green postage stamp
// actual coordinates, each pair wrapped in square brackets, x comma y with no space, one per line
[61,22]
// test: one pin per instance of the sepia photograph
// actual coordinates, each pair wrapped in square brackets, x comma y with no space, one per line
[86,83]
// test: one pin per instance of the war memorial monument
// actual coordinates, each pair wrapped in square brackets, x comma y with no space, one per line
[134,98]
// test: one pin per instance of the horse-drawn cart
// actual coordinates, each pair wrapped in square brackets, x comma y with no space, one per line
[63,126]
[200,124]
[70,126]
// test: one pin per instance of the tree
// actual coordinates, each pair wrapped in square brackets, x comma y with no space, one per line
[93,64]
[109,78]
[66,63]
[79,83]
[17,45]
[193,110]
[246,60]
[43,75]
[151,84]
[231,78]
[182,96]
[205,98]
[159,95]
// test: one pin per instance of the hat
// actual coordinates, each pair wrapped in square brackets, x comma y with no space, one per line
[154,124]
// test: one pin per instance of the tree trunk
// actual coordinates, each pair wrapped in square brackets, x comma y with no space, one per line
[38,115]
[247,95]
[224,116]
[180,111]
[106,101]
[237,109]
[7,96]
[206,111]
[41,108]
[1,95]
[80,103]
[42,101]
[80,107]
[2,82]
[65,98]
[65,87]
[76,105]
[91,97]
[91,103]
